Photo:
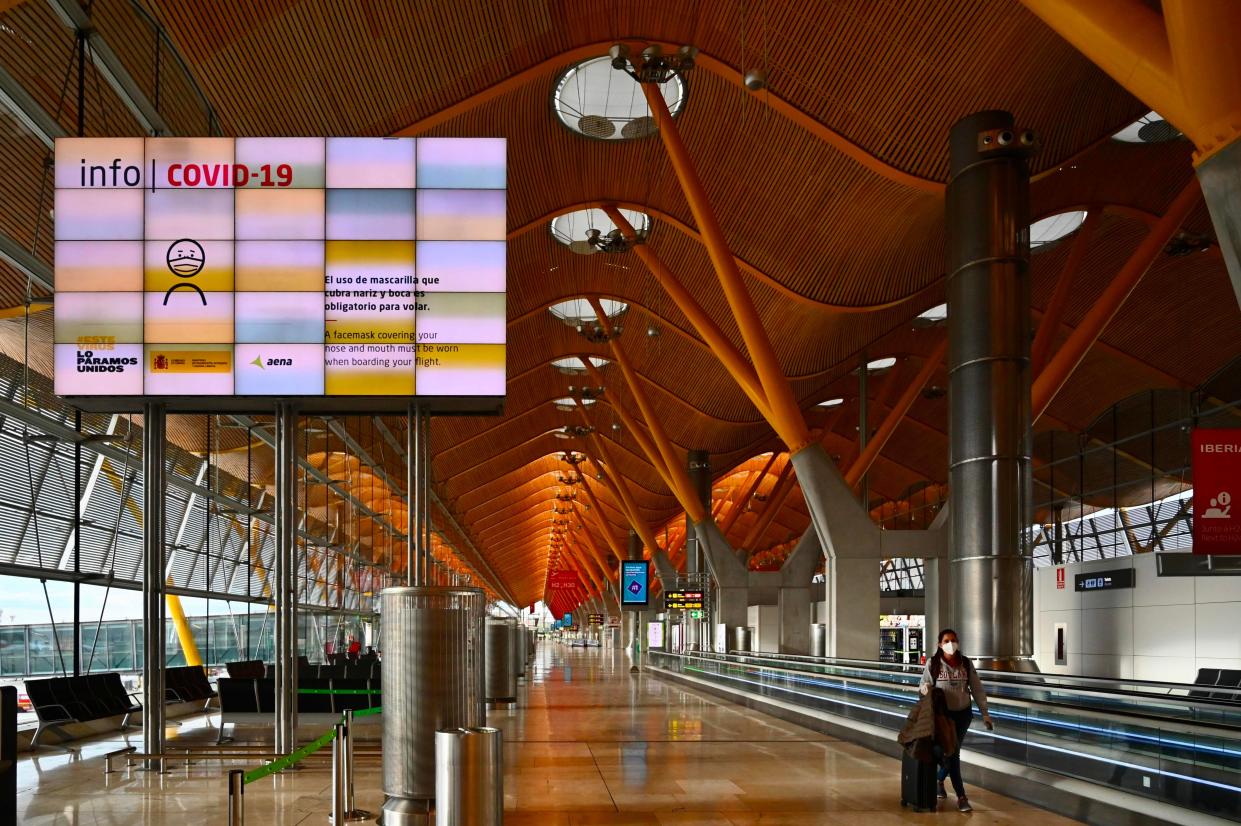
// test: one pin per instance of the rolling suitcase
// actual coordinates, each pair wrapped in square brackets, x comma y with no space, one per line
[917,783]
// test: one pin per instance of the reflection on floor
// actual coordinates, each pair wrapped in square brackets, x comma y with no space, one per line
[588,743]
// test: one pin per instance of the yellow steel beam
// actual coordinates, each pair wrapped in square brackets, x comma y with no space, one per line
[786,413]
[1050,323]
[1071,353]
[730,357]
[1182,63]
[616,482]
[896,414]
[775,500]
[189,647]
[1204,36]
[662,455]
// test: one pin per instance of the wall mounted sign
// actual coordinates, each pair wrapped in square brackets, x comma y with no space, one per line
[1104,580]
[1217,481]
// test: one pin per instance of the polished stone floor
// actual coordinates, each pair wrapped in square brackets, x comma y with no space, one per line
[587,743]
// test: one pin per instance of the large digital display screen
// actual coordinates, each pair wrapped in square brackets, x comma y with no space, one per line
[635,587]
[315,268]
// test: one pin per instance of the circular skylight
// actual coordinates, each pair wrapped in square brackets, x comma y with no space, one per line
[880,364]
[836,402]
[1150,128]
[597,101]
[936,314]
[572,227]
[572,365]
[570,403]
[1054,227]
[578,310]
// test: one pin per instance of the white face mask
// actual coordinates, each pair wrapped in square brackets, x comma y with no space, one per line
[950,648]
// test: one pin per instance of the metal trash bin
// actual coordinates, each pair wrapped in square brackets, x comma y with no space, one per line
[518,643]
[469,777]
[818,640]
[500,685]
[433,638]
[743,637]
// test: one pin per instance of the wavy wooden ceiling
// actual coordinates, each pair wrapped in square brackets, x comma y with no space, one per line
[817,231]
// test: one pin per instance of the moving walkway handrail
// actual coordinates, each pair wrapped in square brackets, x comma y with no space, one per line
[1041,680]
[1221,730]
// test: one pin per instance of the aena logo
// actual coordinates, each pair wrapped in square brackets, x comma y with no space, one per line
[263,363]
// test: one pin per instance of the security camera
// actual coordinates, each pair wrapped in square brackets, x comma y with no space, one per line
[1005,138]
[755,80]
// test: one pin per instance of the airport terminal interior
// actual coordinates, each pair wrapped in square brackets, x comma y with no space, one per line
[645,412]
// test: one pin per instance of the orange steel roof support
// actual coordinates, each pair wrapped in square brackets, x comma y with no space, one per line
[591,565]
[1047,328]
[1181,63]
[613,479]
[601,523]
[740,495]
[786,415]
[583,571]
[729,356]
[1066,359]
[896,414]
[601,558]
[775,500]
[674,473]
[708,62]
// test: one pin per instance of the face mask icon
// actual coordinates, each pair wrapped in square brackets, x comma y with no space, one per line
[185,259]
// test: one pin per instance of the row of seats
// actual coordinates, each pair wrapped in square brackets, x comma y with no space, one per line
[57,701]
[60,700]
[249,699]
[1222,678]
[187,684]
[364,669]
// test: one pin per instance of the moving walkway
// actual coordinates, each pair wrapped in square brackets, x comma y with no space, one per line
[1167,742]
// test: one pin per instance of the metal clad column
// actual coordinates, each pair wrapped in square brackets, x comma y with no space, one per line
[700,478]
[412,445]
[987,213]
[286,578]
[153,559]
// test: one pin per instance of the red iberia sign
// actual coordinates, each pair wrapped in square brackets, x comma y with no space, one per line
[562,581]
[1217,480]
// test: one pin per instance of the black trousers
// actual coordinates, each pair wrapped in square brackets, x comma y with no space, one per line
[950,767]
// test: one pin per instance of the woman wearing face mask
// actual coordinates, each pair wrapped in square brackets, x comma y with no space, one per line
[954,672]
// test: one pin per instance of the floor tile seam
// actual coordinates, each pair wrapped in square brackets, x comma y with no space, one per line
[595,762]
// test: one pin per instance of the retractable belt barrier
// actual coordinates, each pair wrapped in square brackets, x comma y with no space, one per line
[342,763]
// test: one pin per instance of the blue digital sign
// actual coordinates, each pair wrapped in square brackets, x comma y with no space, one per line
[1104,580]
[635,584]
[568,620]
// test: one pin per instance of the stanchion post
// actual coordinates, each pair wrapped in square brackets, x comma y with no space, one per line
[338,777]
[351,811]
[236,797]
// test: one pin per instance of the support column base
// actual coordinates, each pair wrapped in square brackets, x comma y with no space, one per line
[404,811]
